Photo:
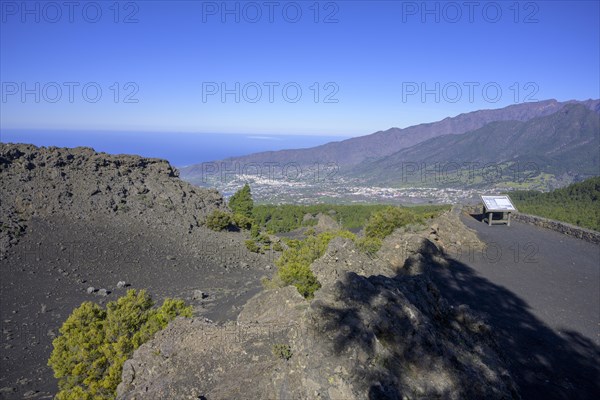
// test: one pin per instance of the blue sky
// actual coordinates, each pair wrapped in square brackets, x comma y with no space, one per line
[369,60]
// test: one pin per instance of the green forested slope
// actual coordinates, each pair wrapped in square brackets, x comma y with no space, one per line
[285,218]
[577,204]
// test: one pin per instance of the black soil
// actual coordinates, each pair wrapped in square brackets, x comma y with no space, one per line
[49,272]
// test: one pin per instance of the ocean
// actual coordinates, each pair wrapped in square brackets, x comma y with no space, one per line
[180,149]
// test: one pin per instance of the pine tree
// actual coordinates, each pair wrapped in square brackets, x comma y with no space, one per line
[241,202]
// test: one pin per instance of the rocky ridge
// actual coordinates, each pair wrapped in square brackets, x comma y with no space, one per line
[376,329]
[81,183]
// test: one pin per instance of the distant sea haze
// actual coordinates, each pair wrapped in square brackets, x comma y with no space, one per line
[180,149]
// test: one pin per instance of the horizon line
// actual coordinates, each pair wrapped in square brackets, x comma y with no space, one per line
[262,133]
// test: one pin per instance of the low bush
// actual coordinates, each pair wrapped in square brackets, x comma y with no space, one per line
[383,223]
[277,246]
[294,263]
[252,246]
[242,221]
[219,220]
[254,231]
[282,351]
[369,245]
[264,238]
[88,355]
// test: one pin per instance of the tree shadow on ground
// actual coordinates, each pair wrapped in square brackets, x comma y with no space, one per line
[544,363]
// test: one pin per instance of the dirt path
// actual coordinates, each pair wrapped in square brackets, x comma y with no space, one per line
[541,291]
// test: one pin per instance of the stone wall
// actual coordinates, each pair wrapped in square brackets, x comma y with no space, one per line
[562,227]
[558,226]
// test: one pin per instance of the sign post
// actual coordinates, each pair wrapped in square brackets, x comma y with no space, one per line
[497,204]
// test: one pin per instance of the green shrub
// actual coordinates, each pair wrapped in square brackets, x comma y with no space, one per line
[277,246]
[252,246]
[219,220]
[88,355]
[282,351]
[272,283]
[242,221]
[300,275]
[310,232]
[384,222]
[254,231]
[294,263]
[259,244]
[369,245]
[264,238]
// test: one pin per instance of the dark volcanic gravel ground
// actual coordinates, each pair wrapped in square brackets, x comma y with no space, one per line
[540,291]
[46,275]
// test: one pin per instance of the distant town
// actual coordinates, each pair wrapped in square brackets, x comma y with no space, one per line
[274,191]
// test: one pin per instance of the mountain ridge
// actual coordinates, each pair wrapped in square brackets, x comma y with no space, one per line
[559,143]
[351,152]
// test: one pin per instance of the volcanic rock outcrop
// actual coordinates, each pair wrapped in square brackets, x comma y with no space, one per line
[39,181]
[374,330]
